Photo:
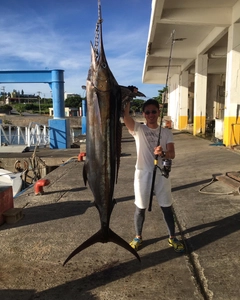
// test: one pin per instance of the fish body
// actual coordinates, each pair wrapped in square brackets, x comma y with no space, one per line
[103,145]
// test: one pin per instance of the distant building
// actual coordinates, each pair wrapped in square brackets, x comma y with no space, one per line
[68,95]
[22,99]
[69,112]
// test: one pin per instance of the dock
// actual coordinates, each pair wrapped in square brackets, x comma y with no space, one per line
[53,224]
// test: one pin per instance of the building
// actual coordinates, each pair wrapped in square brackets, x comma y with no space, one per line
[68,95]
[22,99]
[204,81]
[69,112]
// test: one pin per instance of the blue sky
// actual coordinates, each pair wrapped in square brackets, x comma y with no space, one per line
[43,34]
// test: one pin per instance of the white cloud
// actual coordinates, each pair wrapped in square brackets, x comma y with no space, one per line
[36,41]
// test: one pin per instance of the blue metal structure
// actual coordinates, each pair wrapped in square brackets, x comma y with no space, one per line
[59,129]
[84,118]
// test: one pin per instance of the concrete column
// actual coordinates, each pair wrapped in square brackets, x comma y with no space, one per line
[200,94]
[183,101]
[190,98]
[231,134]
[215,96]
[173,101]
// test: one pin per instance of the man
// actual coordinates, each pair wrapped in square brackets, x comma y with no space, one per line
[146,138]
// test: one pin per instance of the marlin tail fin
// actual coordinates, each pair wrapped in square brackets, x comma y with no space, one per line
[99,237]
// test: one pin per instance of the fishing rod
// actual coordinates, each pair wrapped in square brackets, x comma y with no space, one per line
[167,163]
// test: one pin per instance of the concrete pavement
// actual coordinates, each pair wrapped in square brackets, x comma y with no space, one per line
[210,220]
[54,224]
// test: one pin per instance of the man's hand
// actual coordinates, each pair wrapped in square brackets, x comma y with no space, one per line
[169,154]
[159,151]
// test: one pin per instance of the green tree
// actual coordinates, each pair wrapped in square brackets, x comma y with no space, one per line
[20,108]
[49,102]
[5,108]
[45,107]
[160,97]
[75,101]
[31,107]
[136,105]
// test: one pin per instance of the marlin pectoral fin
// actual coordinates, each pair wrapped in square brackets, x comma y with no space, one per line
[97,112]
[118,146]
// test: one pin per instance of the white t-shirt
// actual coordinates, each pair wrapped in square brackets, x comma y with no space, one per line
[146,140]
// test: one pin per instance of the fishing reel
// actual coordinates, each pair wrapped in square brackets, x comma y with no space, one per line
[167,164]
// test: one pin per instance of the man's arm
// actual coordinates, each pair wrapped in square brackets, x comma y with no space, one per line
[169,154]
[128,120]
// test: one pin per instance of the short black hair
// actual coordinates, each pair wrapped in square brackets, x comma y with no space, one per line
[150,102]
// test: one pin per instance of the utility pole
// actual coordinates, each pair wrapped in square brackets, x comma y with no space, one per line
[39,105]
[3,89]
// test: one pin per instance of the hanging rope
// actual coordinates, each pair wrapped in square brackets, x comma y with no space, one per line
[97,31]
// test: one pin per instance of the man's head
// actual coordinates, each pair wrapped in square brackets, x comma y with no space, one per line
[150,102]
[151,112]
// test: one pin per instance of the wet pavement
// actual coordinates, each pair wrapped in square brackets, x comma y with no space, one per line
[54,224]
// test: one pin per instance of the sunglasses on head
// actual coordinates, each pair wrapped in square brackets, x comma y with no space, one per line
[148,112]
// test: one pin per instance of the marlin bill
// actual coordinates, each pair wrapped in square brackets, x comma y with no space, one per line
[103,144]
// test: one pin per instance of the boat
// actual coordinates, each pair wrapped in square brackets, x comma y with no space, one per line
[8,178]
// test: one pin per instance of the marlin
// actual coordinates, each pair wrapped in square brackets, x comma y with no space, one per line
[103,145]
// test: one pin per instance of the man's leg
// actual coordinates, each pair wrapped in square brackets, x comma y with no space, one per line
[169,219]
[139,218]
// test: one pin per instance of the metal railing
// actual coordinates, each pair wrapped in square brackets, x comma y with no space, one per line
[32,135]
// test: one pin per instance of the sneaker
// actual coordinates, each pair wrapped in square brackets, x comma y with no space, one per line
[176,244]
[135,243]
